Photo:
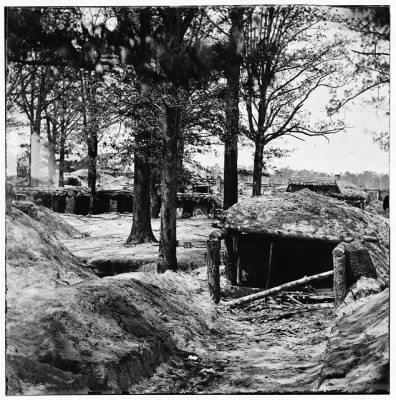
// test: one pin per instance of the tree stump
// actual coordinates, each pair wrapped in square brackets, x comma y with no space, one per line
[340,284]
[213,261]
[358,264]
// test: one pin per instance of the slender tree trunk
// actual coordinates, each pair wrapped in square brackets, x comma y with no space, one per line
[35,154]
[51,162]
[141,231]
[51,136]
[258,167]
[92,154]
[232,73]
[62,141]
[167,247]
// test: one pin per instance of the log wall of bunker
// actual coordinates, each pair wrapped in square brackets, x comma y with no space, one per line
[291,259]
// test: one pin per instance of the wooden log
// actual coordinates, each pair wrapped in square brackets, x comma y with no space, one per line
[213,270]
[265,293]
[373,239]
[289,235]
[340,284]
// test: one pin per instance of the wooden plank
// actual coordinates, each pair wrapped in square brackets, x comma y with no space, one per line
[340,285]
[213,270]
[289,235]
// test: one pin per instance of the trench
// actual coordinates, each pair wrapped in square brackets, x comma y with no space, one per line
[249,351]
[240,351]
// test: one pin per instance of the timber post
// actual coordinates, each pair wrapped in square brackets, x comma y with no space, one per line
[70,203]
[213,261]
[231,261]
[340,283]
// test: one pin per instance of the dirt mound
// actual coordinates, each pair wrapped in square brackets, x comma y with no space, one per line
[357,354]
[69,332]
[35,256]
[376,207]
[306,214]
[53,223]
[103,335]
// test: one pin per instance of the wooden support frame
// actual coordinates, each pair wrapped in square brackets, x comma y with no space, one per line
[339,280]
[277,289]
[213,269]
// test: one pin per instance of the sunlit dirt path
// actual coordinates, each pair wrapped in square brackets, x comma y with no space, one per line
[250,352]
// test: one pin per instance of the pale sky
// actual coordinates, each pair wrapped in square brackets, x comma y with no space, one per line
[351,150]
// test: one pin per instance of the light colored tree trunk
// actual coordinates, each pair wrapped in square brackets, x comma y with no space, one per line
[61,160]
[35,154]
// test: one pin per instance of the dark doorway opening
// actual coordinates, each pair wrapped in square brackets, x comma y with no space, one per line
[101,204]
[81,205]
[124,203]
[59,204]
[291,259]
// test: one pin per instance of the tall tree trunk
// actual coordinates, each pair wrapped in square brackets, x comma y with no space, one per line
[232,73]
[51,136]
[35,154]
[141,231]
[92,154]
[180,156]
[62,142]
[167,247]
[258,167]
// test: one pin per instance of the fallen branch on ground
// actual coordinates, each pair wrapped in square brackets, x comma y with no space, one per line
[265,316]
[276,289]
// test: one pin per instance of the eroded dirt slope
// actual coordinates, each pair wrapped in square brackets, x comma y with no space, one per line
[68,331]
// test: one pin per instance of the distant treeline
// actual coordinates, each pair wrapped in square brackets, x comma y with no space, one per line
[366,179]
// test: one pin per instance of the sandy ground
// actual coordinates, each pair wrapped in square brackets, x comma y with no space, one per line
[248,352]
[106,234]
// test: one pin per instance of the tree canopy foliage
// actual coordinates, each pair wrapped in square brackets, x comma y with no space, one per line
[178,79]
